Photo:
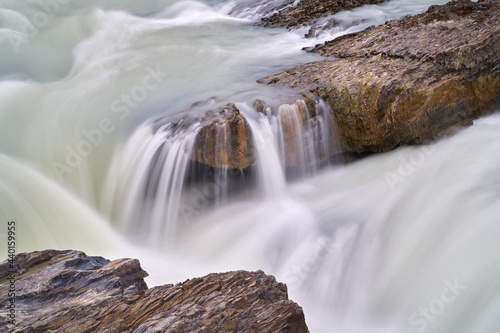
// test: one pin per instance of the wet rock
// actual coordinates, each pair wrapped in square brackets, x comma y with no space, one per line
[224,139]
[306,134]
[67,291]
[316,29]
[410,80]
[307,11]
[261,106]
[305,138]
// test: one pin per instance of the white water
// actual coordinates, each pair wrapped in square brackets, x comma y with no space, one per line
[88,162]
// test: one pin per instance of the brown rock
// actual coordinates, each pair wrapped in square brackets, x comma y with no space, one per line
[300,122]
[261,106]
[224,140]
[67,291]
[409,81]
[307,11]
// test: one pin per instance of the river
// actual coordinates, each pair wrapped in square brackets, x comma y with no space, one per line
[405,241]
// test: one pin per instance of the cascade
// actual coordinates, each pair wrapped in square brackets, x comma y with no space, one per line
[362,246]
[164,184]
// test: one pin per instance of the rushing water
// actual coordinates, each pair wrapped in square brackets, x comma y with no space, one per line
[99,107]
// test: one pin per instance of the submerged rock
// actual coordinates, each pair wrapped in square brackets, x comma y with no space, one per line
[68,291]
[295,14]
[410,80]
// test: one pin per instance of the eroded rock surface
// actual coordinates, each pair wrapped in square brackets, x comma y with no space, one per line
[307,11]
[67,291]
[410,80]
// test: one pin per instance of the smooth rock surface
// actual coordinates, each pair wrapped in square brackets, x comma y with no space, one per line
[67,291]
[224,140]
[409,81]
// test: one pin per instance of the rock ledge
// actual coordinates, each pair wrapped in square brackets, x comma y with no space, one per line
[68,291]
[409,81]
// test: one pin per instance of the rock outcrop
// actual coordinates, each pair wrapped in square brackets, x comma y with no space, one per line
[410,80]
[293,15]
[67,291]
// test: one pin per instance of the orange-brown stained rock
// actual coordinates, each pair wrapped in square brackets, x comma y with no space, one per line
[225,140]
[67,291]
[292,122]
[410,80]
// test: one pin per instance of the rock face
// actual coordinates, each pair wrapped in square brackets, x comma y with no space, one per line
[224,140]
[408,81]
[307,11]
[67,291]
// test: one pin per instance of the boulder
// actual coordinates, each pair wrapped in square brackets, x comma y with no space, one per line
[224,139]
[68,291]
[409,81]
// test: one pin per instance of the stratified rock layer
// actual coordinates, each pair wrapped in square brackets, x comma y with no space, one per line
[67,291]
[408,81]
[306,11]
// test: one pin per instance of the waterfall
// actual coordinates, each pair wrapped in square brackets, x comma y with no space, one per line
[154,165]
[101,151]
[154,177]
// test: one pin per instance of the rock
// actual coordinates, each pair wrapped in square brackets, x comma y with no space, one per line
[304,133]
[224,139]
[68,291]
[307,11]
[409,81]
[261,106]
